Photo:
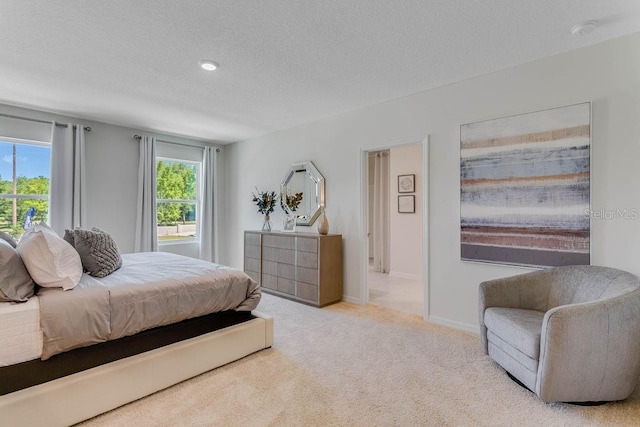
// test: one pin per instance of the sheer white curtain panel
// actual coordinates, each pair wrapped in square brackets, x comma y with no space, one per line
[146,238]
[381,257]
[208,239]
[67,205]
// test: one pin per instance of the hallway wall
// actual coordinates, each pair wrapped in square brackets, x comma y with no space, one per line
[406,228]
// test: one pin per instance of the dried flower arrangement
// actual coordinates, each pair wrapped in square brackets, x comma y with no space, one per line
[265,200]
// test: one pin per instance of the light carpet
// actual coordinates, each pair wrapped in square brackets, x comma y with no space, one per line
[351,365]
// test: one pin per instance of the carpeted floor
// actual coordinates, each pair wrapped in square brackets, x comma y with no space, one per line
[351,365]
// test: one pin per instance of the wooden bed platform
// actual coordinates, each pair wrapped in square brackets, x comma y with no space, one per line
[83,395]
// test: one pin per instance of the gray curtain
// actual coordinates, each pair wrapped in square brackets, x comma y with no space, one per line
[381,258]
[146,238]
[67,206]
[208,240]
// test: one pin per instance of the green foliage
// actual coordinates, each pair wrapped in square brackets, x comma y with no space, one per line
[265,200]
[38,185]
[175,181]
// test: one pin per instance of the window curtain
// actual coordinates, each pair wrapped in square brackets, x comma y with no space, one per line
[146,238]
[208,240]
[381,212]
[67,205]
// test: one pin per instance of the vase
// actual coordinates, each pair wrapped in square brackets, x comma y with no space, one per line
[323,223]
[266,226]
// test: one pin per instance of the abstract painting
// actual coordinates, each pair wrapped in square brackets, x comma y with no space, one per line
[525,188]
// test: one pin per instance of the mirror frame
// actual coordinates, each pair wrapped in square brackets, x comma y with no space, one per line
[312,173]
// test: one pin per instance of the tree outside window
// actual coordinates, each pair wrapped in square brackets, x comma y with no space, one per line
[177,200]
[24,184]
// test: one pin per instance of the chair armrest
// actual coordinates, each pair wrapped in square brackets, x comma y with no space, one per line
[528,291]
[589,351]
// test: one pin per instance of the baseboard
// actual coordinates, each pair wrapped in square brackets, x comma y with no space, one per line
[455,325]
[402,275]
[352,300]
[433,319]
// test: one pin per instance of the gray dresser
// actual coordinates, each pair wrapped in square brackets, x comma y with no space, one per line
[301,266]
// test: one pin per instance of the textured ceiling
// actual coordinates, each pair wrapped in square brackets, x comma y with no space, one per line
[282,62]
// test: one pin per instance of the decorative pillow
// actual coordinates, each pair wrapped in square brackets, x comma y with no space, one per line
[15,282]
[8,238]
[51,262]
[97,249]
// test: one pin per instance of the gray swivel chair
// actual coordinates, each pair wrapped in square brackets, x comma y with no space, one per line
[569,334]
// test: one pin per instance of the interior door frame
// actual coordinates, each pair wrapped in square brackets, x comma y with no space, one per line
[364,216]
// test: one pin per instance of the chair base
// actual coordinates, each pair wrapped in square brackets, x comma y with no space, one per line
[515,380]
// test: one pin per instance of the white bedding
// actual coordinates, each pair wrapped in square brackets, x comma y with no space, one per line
[21,335]
[20,332]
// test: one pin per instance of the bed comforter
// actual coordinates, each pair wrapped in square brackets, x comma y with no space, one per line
[149,290]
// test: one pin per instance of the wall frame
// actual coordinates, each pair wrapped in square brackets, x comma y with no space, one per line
[525,188]
[289,223]
[407,183]
[407,204]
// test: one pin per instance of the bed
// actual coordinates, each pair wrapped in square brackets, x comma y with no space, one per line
[67,356]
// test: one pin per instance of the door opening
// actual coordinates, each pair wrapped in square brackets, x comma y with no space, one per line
[396,270]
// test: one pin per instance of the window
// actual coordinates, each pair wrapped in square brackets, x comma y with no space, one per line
[24,184]
[177,197]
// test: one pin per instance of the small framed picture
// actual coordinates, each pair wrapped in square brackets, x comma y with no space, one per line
[406,183]
[407,204]
[289,223]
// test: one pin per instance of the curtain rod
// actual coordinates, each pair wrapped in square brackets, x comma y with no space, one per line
[64,125]
[175,143]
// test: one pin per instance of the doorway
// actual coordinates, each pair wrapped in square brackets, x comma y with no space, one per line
[396,269]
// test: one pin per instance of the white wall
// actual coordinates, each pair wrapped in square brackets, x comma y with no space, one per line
[112,172]
[608,74]
[405,244]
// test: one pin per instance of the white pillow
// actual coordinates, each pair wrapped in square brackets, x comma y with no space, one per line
[51,262]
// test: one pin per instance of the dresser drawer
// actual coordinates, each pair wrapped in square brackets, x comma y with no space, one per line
[285,256]
[308,292]
[252,264]
[252,251]
[307,275]
[270,267]
[287,286]
[252,239]
[269,281]
[307,244]
[283,242]
[287,271]
[307,259]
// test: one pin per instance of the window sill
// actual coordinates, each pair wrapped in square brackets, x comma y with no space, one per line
[178,242]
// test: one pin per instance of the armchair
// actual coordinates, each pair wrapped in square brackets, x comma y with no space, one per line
[569,334]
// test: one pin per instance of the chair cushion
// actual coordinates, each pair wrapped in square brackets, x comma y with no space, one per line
[514,365]
[518,327]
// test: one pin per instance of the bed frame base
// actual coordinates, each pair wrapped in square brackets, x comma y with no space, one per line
[74,398]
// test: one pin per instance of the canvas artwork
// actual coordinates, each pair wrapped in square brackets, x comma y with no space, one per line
[525,188]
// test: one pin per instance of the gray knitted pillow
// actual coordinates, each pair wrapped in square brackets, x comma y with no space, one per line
[98,251]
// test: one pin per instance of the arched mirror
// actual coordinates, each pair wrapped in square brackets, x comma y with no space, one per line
[302,192]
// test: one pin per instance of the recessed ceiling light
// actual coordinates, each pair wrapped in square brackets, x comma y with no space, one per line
[208,65]
[583,28]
